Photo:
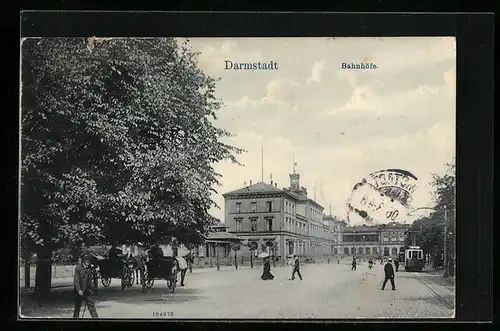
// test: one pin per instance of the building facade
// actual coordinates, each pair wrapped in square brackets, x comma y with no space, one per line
[286,221]
[281,221]
[385,240]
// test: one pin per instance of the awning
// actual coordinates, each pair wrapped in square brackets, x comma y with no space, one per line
[227,241]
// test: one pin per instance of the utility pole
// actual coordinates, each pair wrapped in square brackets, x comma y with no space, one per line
[445,252]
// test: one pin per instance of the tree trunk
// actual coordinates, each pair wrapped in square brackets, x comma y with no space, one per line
[27,276]
[191,260]
[43,278]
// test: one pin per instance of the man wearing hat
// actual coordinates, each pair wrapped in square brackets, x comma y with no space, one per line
[389,274]
[83,287]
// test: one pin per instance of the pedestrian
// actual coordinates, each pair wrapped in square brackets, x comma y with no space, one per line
[291,264]
[389,275]
[338,260]
[266,274]
[83,288]
[183,267]
[396,264]
[296,267]
[353,264]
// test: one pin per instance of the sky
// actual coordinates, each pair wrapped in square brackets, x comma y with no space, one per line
[339,125]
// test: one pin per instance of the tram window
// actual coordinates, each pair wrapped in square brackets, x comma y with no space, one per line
[409,254]
[420,254]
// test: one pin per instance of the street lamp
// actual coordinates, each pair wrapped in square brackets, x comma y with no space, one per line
[354,243]
[445,235]
[363,245]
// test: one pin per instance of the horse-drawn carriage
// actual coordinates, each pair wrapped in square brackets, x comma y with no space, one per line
[106,269]
[160,267]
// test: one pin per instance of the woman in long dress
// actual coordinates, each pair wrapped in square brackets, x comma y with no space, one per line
[266,275]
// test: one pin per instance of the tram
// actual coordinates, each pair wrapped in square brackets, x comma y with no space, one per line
[414,259]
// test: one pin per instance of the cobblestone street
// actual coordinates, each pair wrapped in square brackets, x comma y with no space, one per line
[327,291]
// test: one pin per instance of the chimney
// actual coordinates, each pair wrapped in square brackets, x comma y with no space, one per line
[271,183]
[275,184]
[250,182]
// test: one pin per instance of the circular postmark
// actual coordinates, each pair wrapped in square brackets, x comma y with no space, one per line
[381,197]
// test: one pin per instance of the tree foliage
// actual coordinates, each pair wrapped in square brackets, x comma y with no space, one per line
[428,232]
[118,144]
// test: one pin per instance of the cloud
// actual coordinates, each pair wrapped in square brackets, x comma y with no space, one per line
[211,58]
[340,125]
[316,72]
[403,53]
[339,168]
[281,91]
[450,77]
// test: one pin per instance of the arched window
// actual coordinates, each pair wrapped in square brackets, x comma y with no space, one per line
[386,251]
[401,249]
[360,251]
[335,251]
[353,252]
[346,251]
[394,251]
[368,251]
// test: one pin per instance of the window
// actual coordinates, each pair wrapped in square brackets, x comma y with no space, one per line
[239,225]
[394,251]
[386,251]
[269,206]
[253,225]
[254,207]
[346,251]
[419,254]
[270,224]
[238,207]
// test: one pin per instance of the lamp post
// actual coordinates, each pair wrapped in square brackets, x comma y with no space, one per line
[354,243]
[445,251]
[363,242]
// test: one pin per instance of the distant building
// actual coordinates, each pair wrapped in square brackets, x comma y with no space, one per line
[373,240]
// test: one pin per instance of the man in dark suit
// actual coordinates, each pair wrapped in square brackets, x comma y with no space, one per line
[83,287]
[296,267]
[389,274]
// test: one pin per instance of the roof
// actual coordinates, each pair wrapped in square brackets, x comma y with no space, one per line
[371,228]
[255,188]
[222,236]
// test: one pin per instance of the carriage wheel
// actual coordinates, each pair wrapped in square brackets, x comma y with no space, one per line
[95,279]
[147,282]
[106,282]
[125,276]
[131,278]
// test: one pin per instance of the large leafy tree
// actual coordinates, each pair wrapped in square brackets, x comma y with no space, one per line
[118,142]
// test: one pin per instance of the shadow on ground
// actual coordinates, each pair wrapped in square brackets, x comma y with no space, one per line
[437,279]
[445,301]
[60,301]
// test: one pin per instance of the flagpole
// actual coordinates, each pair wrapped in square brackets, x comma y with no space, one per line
[262,164]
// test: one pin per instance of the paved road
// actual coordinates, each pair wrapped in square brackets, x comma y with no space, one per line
[327,291]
